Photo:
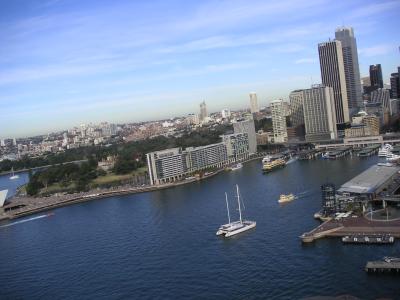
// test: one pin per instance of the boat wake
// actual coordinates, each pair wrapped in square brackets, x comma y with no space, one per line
[291,160]
[24,221]
[302,194]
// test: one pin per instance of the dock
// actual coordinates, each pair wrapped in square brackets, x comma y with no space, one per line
[368,239]
[340,152]
[355,227]
[309,154]
[368,151]
[383,267]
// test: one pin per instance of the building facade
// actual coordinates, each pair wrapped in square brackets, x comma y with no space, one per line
[203,111]
[375,75]
[279,121]
[351,68]
[254,103]
[175,164]
[395,85]
[333,75]
[297,112]
[237,146]
[319,113]
[247,126]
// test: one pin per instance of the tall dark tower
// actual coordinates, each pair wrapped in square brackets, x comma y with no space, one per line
[375,75]
[395,85]
[328,191]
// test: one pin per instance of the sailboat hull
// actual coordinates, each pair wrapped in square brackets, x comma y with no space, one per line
[232,229]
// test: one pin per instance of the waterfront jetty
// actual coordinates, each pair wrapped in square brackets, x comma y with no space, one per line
[368,239]
[337,153]
[383,266]
[309,154]
[368,151]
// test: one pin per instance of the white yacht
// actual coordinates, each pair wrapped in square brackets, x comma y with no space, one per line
[236,227]
[13,175]
[385,150]
[392,157]
[237,167]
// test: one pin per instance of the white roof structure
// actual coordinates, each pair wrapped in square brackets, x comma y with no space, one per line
[3,196]
[370,180]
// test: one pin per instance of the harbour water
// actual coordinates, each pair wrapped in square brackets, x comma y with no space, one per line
[162,245]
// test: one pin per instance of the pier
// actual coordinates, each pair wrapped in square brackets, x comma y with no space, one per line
[383,267]
[355,227]
[368,151]
[368,239]
[334,154]
[309,154]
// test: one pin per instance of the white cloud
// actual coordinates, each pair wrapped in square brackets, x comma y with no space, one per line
[308,60]
[377,50]
[376,8]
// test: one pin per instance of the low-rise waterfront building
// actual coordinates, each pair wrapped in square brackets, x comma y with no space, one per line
[175,164]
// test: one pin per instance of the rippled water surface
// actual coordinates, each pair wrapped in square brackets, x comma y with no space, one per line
[163,244]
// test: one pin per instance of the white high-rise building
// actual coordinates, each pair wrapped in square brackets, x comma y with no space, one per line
[279,121]
[203,111]
[2,143]
[254,103]
[351,68]
[225,113]
[247,126]
[332,74]
[192,119]
[319,113]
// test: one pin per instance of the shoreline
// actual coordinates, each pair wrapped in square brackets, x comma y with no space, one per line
[41,167]
[49,203]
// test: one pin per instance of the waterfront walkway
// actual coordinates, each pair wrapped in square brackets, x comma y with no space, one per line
[352,226]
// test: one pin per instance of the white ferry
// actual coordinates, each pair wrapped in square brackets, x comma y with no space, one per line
[286,198]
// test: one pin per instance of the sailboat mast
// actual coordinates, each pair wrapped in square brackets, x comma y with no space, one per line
[238,197]
[227,208]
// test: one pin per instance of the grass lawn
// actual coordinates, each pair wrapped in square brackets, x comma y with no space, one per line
[113,178]
[110,178]
[57,188]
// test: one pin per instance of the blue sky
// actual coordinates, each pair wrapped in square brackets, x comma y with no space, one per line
[67,62]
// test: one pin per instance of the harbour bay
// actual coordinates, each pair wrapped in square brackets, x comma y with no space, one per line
[162,244]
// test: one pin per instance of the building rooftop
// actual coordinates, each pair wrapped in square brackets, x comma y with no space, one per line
[369,180]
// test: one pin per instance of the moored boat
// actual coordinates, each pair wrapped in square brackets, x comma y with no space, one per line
[269,163]
[13,175]
[237,167]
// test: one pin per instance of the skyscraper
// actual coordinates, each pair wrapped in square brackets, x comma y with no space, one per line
[319,113]
[351,68]
[375,75]
[254,103]
[279,121]
[395,85]
[225,113]
[203,111]
[332,74]
[297,113]
[247,126]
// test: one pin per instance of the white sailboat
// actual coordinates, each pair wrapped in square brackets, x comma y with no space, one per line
[236,227]
[13,175]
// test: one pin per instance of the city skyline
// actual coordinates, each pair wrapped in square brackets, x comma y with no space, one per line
[64,63]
